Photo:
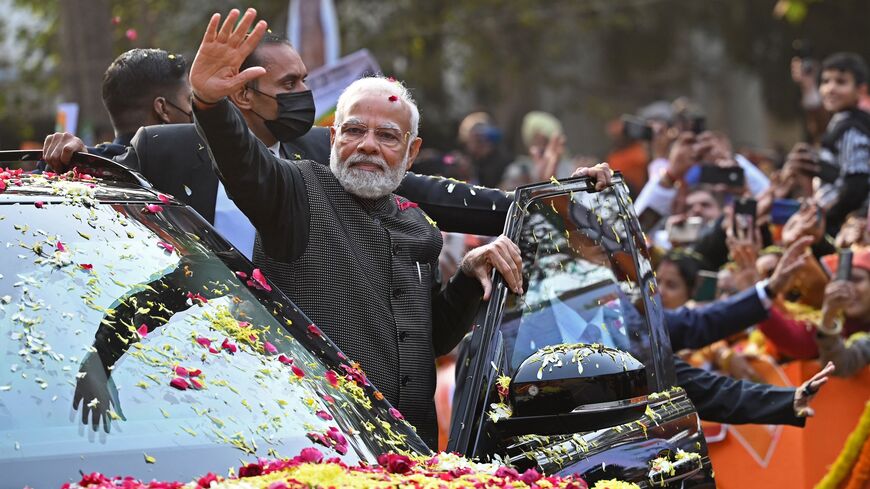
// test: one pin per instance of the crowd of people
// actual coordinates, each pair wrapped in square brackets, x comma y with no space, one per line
[752,257]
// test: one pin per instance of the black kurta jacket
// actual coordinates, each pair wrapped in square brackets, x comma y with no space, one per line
[364,270]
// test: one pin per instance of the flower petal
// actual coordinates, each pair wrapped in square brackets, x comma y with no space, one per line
[163,198]
[270,348]
[324,415]
[298,371]
[153,209]
[285,359]
[179,384]
[166,246]
[143,330]
[396,414]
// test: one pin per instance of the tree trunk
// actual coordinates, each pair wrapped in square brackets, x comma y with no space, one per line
[85,53]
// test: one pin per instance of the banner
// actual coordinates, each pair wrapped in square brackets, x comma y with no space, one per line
[67,118]
[327,82]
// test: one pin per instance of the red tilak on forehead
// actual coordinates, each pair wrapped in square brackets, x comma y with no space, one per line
[393,98]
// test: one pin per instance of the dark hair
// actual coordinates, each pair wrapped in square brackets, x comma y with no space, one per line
[848,63]
[688,263]
[135,79]
[254,59]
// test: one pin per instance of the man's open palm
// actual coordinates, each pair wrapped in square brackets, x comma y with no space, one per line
[214,73]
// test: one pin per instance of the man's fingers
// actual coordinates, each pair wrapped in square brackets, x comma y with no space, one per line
[486,282]
[67,151]
[211,30]
[502,263]
[251,41]
[249,74]
[227,28]
[241,30]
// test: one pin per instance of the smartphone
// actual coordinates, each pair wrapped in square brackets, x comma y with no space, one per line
[649,219]
[686,231]
[699,124]
[745,215]
[732,175]
[782,209]
[705,286]
[636,129]
[844,264]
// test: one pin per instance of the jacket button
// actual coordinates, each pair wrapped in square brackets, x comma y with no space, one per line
[403,335]
[405,380]
[397,293]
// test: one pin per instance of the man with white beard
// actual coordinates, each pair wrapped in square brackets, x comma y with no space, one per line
[360,261]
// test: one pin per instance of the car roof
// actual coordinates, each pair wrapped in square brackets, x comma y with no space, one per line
[105,180]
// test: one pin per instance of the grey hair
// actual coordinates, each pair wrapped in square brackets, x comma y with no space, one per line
[377,85]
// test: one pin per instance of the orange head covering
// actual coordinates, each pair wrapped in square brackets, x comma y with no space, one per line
[860,259]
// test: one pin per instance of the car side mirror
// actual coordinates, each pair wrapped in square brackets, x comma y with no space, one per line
[581,386]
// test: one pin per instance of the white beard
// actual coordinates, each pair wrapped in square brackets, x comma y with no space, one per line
[367,184]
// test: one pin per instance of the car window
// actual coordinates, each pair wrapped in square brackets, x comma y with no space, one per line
[131,330]
[581,280]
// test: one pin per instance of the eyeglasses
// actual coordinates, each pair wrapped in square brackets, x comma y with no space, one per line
[188,114]
[385,136]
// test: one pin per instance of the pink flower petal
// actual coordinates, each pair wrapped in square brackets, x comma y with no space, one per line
[227,345]
[143,330]
[39,204]
[196,298]
[86,266]
[270,348]
[395,413]
[180,371]
[60,246]
[166,246]
[332,378]
[393,98]
[202,340]
[197,384]
[242,275]
[324,415]
[163,198]
[152,209]
[259,280]
[315,330]
[212,349]
[179,384]
[194,372]
[298,371]
[328,398]
[311,455]
[285,359]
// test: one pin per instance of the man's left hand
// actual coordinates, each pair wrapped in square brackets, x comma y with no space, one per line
[503,255]
[601,174]
[806,392]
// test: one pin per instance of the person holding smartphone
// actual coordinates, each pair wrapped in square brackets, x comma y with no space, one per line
[845,312]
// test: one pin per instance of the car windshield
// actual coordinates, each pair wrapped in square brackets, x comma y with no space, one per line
[582,282]
[134,341]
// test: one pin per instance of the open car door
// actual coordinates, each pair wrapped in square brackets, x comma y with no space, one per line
[576,375]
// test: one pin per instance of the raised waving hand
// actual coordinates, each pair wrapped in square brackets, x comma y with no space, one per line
[214,73]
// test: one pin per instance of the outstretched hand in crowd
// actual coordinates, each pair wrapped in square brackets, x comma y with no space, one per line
[214,73]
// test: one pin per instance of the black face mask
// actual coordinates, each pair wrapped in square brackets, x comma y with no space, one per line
[295,115]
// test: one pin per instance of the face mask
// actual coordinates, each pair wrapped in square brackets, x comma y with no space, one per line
[295,115]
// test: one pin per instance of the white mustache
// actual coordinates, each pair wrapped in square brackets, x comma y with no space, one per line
[356,159]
